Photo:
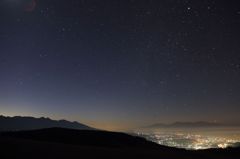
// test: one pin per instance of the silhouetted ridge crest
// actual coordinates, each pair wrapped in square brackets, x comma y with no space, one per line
[29,123]
[83,137]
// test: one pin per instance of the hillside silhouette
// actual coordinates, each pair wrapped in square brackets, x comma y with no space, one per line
[70,143]
[28,123]
[83,137]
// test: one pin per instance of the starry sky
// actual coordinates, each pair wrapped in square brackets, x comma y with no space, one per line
[116,64]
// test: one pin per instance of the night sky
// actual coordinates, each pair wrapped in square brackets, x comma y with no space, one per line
[116,64]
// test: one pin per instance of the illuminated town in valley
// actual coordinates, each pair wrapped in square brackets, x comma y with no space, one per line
[189,141]
[193,138]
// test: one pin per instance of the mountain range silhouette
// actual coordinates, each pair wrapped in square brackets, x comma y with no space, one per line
[86,142]
[29,123]
[198,124]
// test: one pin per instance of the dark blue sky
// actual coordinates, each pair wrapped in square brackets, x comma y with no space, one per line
[121,63]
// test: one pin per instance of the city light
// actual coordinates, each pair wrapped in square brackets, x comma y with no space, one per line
[188,141]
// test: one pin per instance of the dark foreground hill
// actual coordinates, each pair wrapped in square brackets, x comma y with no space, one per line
[68,143]
[27,123]
[83,137]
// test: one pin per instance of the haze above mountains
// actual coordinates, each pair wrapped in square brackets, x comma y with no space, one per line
[29,123]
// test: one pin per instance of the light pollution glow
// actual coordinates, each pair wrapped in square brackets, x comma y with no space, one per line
[191,141]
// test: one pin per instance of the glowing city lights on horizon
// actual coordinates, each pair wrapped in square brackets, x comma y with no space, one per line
[188,141]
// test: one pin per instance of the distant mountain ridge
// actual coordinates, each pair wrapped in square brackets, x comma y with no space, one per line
[30,123]
[198,124]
